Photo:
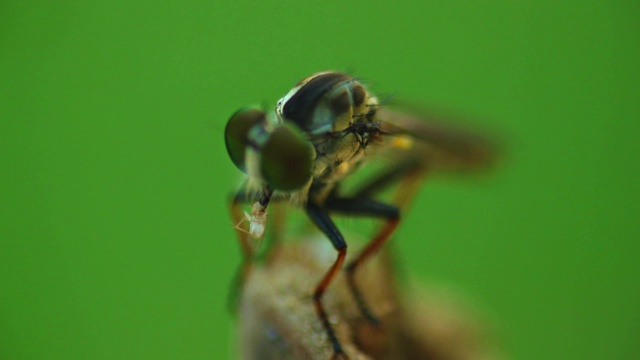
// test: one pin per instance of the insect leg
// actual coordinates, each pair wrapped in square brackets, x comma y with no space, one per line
[409,173]
[384,179]
[321,219]
[366,207]
[277,229]
[248,253]
[237,216]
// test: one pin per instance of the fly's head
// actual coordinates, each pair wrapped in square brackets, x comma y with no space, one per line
[319,131]
[277,155]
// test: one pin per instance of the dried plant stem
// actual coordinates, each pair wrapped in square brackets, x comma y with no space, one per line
[278,321]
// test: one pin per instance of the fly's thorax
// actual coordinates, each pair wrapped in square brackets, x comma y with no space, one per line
[325,102]
[338,114]
[337,156]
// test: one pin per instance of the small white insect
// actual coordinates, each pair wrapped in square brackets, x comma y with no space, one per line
[257,221]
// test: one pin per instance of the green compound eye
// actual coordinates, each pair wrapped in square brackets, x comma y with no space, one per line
[236,133]
[286,159]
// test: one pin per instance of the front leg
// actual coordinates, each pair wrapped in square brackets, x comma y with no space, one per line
[259,215]
[257,218]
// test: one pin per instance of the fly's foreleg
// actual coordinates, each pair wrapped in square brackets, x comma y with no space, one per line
[257,220]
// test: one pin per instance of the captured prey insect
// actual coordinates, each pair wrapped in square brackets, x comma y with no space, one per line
[320,132]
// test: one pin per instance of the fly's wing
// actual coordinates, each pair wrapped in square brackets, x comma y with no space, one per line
[439,146]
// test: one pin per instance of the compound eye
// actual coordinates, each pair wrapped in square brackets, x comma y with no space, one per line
[286,159]
[236,133]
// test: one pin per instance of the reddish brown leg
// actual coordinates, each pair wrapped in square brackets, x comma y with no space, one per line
[322,220]
[317,297]
[371,208]
[378,241]
[410,175]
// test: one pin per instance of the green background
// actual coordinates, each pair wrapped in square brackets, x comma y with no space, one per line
[115,242]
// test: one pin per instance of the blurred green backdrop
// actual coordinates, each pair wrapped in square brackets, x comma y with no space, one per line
[114,237]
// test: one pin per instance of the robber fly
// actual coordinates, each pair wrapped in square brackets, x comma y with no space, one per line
[320,132]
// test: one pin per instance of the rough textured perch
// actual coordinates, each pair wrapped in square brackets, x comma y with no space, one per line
[277,318]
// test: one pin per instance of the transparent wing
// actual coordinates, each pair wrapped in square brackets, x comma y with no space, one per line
[436,144]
